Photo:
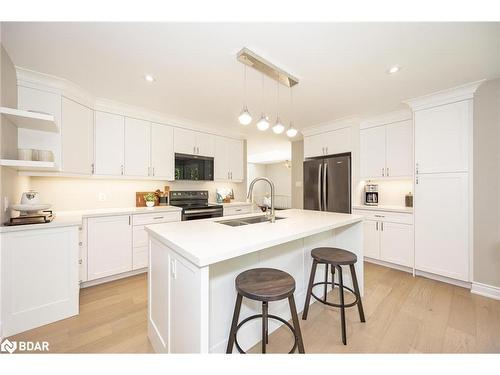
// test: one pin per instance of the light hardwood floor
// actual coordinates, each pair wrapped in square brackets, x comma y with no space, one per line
[403,315]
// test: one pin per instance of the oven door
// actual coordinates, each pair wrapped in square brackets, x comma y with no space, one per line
[201,213]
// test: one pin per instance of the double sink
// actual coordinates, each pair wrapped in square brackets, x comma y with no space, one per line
[247,221]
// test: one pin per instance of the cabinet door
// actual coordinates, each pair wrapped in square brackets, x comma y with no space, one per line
[137,147]
[162,151]
[372,152]
[77,137]
[314,145]
[396,243]
[40,101]
[184,141]
[109,144]
[235,157]
[442,225]
[205,144]
[109,246]
[338,141]
[399,149]
[371,246]
[441,138]
[221,159]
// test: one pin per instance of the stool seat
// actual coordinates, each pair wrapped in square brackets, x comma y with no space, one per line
[332,255]
[265,284]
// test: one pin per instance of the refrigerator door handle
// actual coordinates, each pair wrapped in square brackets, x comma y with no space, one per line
[319,186]
[325,168]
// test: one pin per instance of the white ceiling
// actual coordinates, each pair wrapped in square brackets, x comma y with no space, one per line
[341,66]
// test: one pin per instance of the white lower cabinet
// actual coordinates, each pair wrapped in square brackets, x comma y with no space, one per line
[39,277]
[238,210]
[109,246]
[388,237]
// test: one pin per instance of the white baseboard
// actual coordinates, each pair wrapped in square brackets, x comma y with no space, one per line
[485,290]
[107,279]
[388,264]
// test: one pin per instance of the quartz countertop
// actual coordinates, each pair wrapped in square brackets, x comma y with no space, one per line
[75,217]
[387,208]
[204,242]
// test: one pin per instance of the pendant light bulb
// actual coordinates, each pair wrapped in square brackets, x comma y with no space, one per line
[263,123]
[291,132]
[245,117]
[278,128]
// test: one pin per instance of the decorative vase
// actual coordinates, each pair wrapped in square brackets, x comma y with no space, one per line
[150,203]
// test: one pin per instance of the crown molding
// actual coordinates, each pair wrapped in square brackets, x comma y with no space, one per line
[324,127]
[386,118]
[452,95]
[46,82]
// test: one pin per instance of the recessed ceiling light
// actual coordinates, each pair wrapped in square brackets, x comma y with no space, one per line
[394,69]
[149,78]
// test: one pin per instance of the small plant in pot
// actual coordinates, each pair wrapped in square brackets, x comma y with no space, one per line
[150,199]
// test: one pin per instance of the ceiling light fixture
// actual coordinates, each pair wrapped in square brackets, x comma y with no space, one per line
[149,78]
[245,117]
[394,69]
[263,123]
[291,131]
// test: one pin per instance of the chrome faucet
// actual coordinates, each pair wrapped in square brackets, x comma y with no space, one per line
[250,190]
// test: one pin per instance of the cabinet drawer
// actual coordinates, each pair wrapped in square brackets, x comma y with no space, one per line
[240,210]
[140,257]
[390,217]
[155,218]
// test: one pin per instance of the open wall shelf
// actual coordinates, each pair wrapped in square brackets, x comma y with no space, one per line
[30,120]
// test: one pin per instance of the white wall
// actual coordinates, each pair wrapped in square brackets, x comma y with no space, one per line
[487,183]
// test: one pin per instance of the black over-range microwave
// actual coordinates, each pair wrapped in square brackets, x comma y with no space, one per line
[194,167]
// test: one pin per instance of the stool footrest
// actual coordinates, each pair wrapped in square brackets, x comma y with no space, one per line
[257,316]
[334,304]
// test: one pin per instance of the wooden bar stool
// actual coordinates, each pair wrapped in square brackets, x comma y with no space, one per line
[335,258]
[265,285]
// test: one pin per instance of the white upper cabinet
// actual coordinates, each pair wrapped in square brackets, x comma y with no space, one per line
[372,152]
[442,138]
[109,144]
[137,147]
[30,99]
[399,149]
[77,138]
[193,143]
[228,161]
[328,143]
[162,151]
[387,150]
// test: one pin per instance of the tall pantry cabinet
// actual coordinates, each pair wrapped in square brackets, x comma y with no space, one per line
[443,124]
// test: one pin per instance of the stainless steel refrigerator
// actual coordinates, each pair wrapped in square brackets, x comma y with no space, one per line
[327,183]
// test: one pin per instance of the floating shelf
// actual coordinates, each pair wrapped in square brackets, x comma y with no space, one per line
[30,120]
[28,165]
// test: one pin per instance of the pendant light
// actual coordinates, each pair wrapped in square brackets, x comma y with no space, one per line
[291,131]
[278,128]
[245,117]
[263,123]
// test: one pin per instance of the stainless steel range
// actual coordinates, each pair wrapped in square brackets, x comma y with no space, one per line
[195,205]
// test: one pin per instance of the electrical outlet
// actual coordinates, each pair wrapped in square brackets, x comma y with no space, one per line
[298,184]
[102,197]
[5,204]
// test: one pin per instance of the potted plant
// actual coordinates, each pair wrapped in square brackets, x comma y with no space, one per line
[150,199]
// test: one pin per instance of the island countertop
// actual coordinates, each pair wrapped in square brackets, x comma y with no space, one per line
[205,242]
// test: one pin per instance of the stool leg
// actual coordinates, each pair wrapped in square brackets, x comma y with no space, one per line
[356,289]
[309,289]
[326,282]
[264,326]
[236,316]
[296,325]
[333,277]
[342,306]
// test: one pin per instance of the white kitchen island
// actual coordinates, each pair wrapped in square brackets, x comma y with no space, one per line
[193,265]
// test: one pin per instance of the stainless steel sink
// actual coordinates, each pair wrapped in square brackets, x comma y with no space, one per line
[247,221]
